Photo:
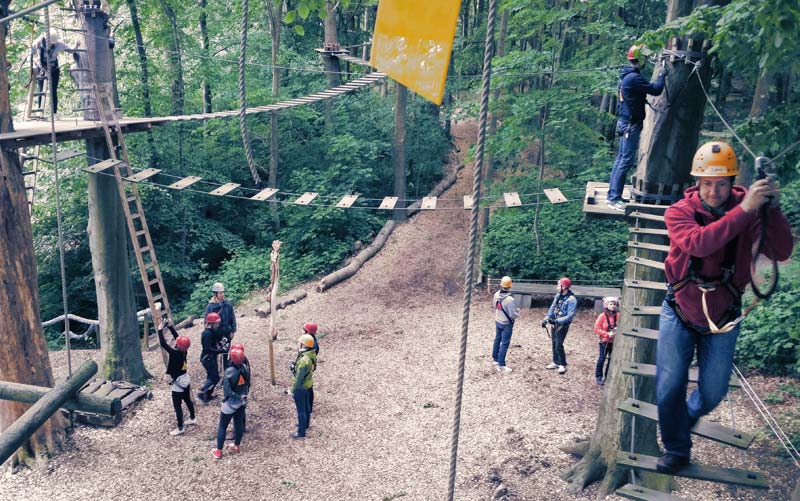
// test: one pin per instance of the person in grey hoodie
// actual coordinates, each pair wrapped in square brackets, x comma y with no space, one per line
[505,313]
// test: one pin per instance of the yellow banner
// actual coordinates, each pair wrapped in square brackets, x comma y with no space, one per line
[413,41]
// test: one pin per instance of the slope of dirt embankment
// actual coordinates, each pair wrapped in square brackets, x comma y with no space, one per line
[384,398]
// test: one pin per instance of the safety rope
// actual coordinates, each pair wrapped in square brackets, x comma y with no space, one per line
[248,149]
[473,240]
[59,220]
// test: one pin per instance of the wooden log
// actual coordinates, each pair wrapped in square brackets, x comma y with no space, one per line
[27,424]
[186,323]
[134,396]
[82,402]
[263,311]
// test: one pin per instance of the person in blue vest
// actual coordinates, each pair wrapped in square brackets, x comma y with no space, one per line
[632,93]
[560,316]
[505,314]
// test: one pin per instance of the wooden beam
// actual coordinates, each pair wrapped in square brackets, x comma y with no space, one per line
[82,402]
[225,189]
[306,198]
[732,476]
[101,166]
[428,203]
[643,311]
[645,262]
[184,183]
[388,203]
[649,231]
[143,175]
[649,370]
[468,201]
[642,245]
[641,332]
[646,216]
[264,194]
[347,201]
[26,425]
[555,196]
[645,284]
[512,199]
[632,491]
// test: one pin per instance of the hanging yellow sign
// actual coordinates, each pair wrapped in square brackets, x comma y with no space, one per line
[413,41]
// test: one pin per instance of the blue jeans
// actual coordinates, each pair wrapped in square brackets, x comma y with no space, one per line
[626,158]
[238,426]
[603,358]
[502,338]
[558,336]
[676,347]
[302,401]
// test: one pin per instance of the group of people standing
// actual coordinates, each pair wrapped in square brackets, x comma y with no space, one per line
[217,343]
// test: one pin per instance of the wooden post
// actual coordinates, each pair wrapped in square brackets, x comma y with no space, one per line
[145,340]
[274,258]
[30,394]
[27,424]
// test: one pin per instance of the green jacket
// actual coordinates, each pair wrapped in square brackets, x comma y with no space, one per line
[303,376]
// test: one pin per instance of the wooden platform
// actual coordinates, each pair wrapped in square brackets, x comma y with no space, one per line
[128,393]
[595,203]
[649,370]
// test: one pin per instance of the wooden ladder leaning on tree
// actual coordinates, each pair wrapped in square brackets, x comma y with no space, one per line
[647,222]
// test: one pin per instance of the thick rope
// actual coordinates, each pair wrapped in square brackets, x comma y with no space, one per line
[473,240]
[54,146]
[248,150]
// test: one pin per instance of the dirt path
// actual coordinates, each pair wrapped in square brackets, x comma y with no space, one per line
[384,398]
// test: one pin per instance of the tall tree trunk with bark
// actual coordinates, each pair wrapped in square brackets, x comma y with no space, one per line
[204,47]
[178,85]
[23,351]
[399,151]
[275,16]
[332,67]
[108,241]
[668,142]
[145,76]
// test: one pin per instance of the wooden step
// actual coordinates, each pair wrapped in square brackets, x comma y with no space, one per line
[104,165]
[649,370]
[143,175]
[184,183]
[643,311]
[646,216]
[643,333]
[653,247]
[644,284]
[631,491]
[649,231]
[711,431]
[645,262]
[732,476]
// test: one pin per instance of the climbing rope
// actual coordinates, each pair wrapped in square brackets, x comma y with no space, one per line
[248,150]
[59,221]
[473,240]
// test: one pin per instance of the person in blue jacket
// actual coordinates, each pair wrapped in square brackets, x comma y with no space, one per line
[632,93]
[560,316]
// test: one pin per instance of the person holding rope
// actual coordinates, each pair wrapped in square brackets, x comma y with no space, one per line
[606,328]
[505,314]
[560,316]
[176,369]
[632,94]
[712,232]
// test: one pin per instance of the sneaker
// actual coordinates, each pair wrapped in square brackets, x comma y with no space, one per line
[504,368]
[495,363]
[201,396]
[190,421]
[617,205]
[235,448]
[599,381]
[671,463]
[562,369]
[551,365]
[217,453]
[177,431]
[296,435]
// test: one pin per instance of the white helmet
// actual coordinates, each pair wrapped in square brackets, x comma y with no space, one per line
[610,301]
[218,287]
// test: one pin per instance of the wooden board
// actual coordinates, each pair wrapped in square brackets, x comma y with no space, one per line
[128,393]
[642,332]
[639,493]
[645,262]
[225,189]
[595,202]
[306,198]
[555,196]
[388,203]
[347,201]
[428,203]
[549,289]
[643,311]
[512,199]
[468,201]
[649,231]
[143,175]
[732,476]
[645,284]
[653,247]
[649,370]
[184,183]
[647,217]
[264,194]
[101,166]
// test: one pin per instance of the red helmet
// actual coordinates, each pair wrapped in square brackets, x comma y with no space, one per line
[635,53]
[213,317]
[183,343]
[236,355]
[237,346]
[565,282]
[310,328]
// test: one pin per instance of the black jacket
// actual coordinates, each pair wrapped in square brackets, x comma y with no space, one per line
[176,366]
[632,92]
[210,339]
[225,309]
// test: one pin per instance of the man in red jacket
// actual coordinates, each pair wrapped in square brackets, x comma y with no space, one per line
[712,231]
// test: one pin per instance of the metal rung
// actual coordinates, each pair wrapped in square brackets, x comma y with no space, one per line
[733,476]
[644,284]
[645,262]
[709,430]
[80,69]
[642,332]
[653,247]
[89,89]
[639,493]
[649,370]
[104,165]
[643,311]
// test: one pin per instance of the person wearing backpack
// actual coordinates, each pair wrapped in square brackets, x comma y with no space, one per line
[560,316]
[505,313]
[236,387]
[606,328]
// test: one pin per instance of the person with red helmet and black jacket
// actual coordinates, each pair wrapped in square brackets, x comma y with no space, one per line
[632,93]
[560,316]
[176,369]
[236,387]
[210,339]
[606,328]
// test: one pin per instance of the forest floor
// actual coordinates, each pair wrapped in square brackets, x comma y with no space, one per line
[384,400]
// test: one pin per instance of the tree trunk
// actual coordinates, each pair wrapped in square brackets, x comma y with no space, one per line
[399,151]
[668,142]
[767,95]
[178,85]
[332,67]
[274,158]
[23,352]
[204,47]
[465,20]
[145,76]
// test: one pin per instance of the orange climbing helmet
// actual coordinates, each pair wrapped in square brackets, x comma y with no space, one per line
[306,340]
[183,343]
[506,282]
[715,159]
[310,328]
[635,53]
[213,317]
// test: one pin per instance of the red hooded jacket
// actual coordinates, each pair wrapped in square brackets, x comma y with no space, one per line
[602,325]
[708,241]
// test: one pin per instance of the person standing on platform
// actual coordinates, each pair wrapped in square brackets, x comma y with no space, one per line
[40,53]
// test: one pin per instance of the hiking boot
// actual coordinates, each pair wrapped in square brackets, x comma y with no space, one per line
[235,448]
[296,435]
[562,369]
[551,365]
[217,453]
[504,368]
[190,421]
[671,463]
[177,431]
[617,205]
